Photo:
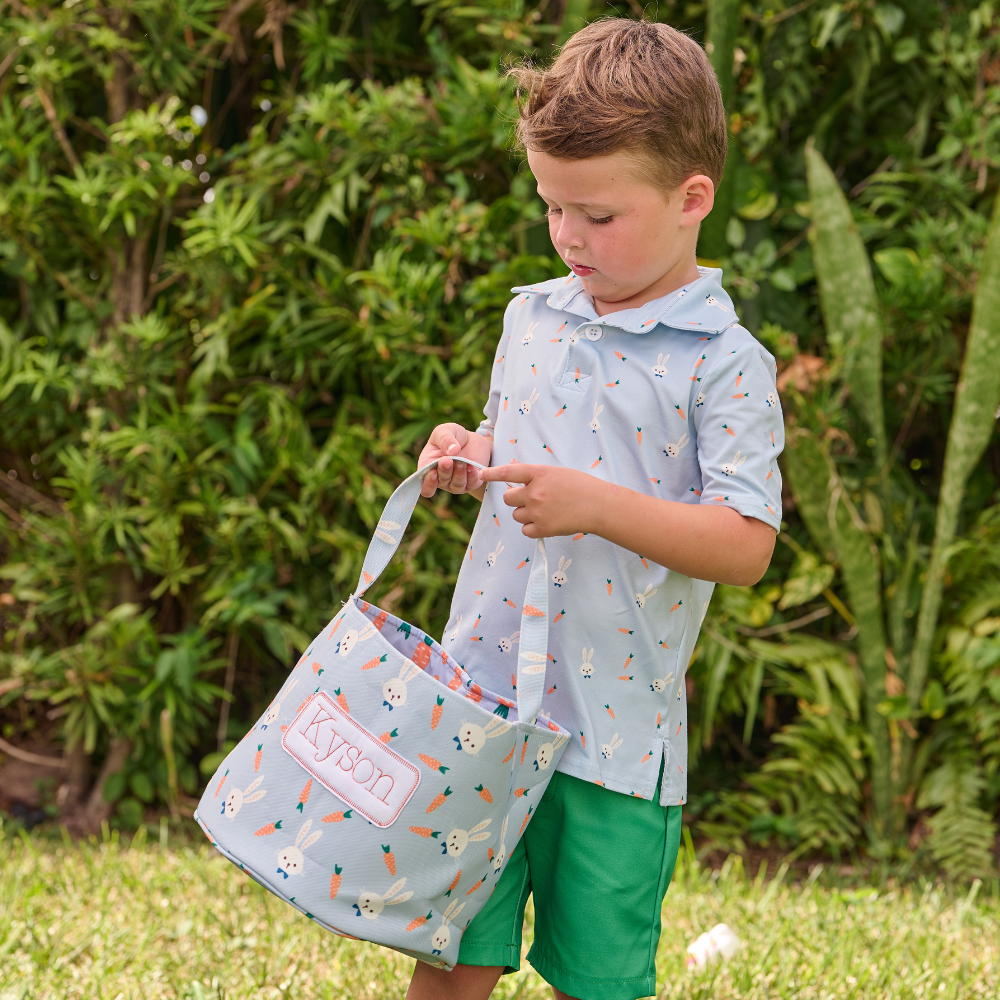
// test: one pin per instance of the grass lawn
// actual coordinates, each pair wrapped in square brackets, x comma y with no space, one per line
[115,922]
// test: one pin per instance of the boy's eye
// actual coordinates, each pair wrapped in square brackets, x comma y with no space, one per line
[600,222]
[553,211]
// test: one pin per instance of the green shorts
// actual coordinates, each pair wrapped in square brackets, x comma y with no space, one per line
[598,864]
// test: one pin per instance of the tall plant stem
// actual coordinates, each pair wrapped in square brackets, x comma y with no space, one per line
[722,24]
[976,401]
[234,645]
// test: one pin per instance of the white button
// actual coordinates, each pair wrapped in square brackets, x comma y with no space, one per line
[593,332]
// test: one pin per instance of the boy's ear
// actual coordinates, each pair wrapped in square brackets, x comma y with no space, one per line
[698,197]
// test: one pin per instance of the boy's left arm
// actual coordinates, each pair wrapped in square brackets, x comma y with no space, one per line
[707,543]
[726,538]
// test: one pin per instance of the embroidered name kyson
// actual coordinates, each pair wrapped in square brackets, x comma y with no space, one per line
[351,762]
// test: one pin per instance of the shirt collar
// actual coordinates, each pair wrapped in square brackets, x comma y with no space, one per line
[703,305]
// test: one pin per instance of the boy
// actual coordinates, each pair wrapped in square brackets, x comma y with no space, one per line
[639,427]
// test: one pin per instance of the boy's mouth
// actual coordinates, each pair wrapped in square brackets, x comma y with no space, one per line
[581,269]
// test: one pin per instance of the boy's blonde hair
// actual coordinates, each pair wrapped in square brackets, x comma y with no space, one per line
[627,86]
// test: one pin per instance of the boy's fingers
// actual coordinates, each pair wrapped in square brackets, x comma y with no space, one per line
[430,484]
[515,497]
[508,473]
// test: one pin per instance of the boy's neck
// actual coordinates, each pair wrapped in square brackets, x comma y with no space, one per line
[681,274]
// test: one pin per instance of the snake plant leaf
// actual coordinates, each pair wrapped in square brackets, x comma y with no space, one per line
[977,397]
[722,23]
[847,294]
[834,525]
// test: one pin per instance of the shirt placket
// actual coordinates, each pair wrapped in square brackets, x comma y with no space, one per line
[580,356]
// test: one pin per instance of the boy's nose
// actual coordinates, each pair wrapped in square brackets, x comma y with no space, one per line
[566,237]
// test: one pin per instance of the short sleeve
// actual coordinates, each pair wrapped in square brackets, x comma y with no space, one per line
[492,407]
[740,433]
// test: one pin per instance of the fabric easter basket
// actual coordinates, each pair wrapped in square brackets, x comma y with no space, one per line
[383,790]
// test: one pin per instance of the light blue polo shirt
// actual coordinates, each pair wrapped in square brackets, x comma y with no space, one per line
[673,399]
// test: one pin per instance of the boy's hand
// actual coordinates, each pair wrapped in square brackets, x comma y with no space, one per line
[552,501]
[447,441]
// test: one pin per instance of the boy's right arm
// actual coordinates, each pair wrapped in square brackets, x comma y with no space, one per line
[446,442]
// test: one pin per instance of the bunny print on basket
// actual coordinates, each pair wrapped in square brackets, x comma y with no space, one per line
[660,368]
[507,642]
[441,938]
[672,450]
[609,748]
[371,904]
[559,576]
[290,860]
[458,840]
[729,468]
[472,737]
[501,856]
[527,404]
[595,424]
[587,668]
[272,713]
[491,559]
[546,751]
[237,797]
[352,637]
[394,690]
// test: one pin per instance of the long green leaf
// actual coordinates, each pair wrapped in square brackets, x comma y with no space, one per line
[847,294]
[823,506]
[722,24]
[976,400]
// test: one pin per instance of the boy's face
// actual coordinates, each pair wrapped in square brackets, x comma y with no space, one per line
[628,241]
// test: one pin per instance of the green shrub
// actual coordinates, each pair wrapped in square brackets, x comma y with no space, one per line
[252,254]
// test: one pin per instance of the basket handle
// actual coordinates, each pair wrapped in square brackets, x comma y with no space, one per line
[534,639]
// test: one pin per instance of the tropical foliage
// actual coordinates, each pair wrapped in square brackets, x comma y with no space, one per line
[252,253]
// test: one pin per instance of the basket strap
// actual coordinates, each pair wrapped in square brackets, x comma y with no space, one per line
[534,639]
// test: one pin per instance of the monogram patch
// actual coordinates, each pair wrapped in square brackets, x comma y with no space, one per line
[349,761]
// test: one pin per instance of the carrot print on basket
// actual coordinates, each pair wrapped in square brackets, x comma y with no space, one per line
[649,753]
[374,662]
[335,881]
[638,434]
[610,711]
[218,788]
[562,614]
[609,588]
[484,793]
[425,831]
[436,712]
[511,754]
[389,859]
[304,795]
[524,822]
[600,458]
[337,817]
[267,829]
[418,922]
[518,792]
[389,736]
[583,740]
[524,748]
[257,757]
[341,700]
[433,763]
[476,886]
[454,882]
[317,668]
[439,799]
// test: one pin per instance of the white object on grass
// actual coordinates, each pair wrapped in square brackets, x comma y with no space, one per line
[720,941]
